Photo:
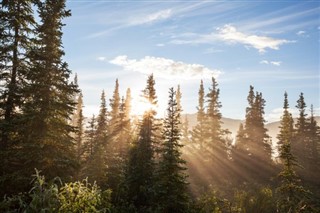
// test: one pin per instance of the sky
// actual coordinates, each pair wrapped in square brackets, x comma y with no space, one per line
[271,45]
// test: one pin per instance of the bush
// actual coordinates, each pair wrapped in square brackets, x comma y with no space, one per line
[79,196]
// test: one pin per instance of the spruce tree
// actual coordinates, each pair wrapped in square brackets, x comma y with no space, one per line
[301,146]
[198,132]
[313,135]
[16,32]
[96,165]
[252,151]
[119,139]
[185,131]
[292,197]
[114,107]
[286,125]
[171,180]
[178,98]
[127,104]
[79,129]
[141,165]
[256,143]
[216,144]
[90,133]
[49,104]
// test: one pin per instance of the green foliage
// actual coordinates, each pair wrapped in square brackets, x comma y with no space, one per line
[171,189]
[244,201]
[82,197]
[48,197]
[44,196]
[198,132]
[140,169]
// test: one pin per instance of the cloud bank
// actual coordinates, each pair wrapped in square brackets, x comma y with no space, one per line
[150,18]
[275,63]
[165,68]
[230,34]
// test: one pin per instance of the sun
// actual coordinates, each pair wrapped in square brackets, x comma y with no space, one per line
[140,105]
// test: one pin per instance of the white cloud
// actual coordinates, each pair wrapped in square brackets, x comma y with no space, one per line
[301,32]
[230,34]
[160,45]
[139,18]
[212,50]
[150,18]
[165,68]
[275,63]
[101,58]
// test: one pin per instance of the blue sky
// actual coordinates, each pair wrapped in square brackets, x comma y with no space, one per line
[272,45]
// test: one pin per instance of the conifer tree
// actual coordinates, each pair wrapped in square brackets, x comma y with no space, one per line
[198,133]
[96,165]
[252,151]
[127,104]
[102,121]
[214,133]
[313,135]
[114,107]
[90,133]
[172,186]
[79,129]
[141,165]
[240,134]
[16,32]
[286,125]
[291,195]
[49,100]
[178,98]
[119,139]
[300,146]
[256,143]
[185,131]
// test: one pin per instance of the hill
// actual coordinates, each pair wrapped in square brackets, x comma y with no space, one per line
[233,125]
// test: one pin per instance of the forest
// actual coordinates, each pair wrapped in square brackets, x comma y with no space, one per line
[54,159]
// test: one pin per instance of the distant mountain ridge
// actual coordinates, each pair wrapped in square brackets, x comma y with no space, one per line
[233,125]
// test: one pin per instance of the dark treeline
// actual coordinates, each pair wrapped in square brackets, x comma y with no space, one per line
[53,159]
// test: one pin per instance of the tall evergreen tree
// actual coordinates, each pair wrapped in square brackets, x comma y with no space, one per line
[172,186]
[301,147]
[178,98]
[114,107]
[313,135]
[16,32]
[291,195]
[127,103]
[252,151]
[286,125]
[216,144]
[256,143]
[102,121]
[79,129]
[96,165]
[198,132]
[119,139]
[141,165]
[185,131]
[49,104]
[90,133]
